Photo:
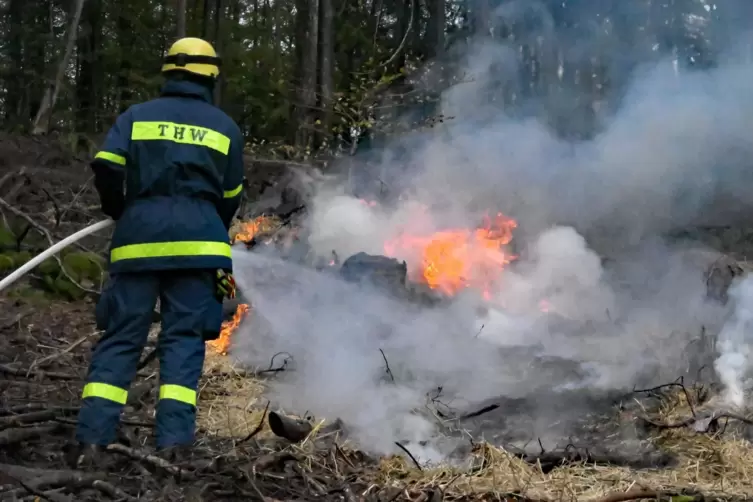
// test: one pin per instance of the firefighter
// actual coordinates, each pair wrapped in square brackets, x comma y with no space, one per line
[170,174]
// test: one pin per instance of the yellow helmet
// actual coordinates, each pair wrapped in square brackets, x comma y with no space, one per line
[192,55]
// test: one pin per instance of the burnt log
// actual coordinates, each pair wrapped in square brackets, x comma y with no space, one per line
[292,429]
[381,272]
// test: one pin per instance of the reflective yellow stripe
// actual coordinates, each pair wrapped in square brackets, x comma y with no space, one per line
[229,194]
[178,393]
[180,133]
[166,249]
[105,391]
[112,157]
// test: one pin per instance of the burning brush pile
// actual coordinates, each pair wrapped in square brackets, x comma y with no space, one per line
[443,263]
[591,433]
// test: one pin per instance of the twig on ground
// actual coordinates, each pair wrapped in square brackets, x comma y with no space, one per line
[15,320]
[112,490]
[631,495]
[679,384]
[78,194]
[387,366]
[272,368]
[10,370]
[51,357]
[407,452]
[485,409]
[259,427]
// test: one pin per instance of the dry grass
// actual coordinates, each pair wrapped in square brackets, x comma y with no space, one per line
[714,467]
[718,465]
[232,406]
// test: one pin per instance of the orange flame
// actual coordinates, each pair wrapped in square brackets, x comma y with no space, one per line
[259,225]
[454,259]
[222,344]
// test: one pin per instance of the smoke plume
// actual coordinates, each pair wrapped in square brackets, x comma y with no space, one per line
[596,284]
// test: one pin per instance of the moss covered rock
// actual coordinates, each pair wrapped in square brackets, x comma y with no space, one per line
[6,263]
[48,267]
[85,266]
[87,269]
[7,238]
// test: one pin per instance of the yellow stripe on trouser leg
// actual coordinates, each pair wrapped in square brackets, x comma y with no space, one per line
[105,391]
[178,393]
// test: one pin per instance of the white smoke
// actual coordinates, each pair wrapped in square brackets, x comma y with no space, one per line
[676,153]
[735,344]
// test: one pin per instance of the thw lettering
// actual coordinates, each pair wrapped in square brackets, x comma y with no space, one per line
[178,132]
[198,134]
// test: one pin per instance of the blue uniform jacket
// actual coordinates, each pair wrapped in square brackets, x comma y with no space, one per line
[181,161]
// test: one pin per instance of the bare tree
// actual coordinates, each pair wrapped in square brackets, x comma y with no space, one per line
[326,64]
[42,119]
[180,7]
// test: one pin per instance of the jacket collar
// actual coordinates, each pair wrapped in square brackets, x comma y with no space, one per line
[187,88]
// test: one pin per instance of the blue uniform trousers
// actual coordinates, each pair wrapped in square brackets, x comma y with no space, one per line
[191,314]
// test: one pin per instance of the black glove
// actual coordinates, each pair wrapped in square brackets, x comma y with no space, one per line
[225,285]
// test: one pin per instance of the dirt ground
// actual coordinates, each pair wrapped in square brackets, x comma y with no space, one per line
[45,343]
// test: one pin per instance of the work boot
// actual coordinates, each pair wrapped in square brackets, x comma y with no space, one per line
[87,456]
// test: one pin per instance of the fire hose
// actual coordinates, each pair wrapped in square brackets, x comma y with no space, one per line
[51,251]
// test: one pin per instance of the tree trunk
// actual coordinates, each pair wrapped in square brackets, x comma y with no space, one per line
[180,28]
[87,88]
[308,85]
[481,14]
[435,37]
[125,38]
[218,48]
[42,120]
[14,76]
[205,20]
[326,65]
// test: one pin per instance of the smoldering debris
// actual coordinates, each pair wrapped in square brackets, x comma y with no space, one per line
[597,298]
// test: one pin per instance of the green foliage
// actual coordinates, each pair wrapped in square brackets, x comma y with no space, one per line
[7,238]
[87,269]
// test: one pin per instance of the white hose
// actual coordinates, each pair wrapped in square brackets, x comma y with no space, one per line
[17,274]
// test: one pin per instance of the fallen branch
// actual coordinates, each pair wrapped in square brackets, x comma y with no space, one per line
[153,460]
[641,494]
[10,370]
[28,418]
[37,480]
[18,435]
